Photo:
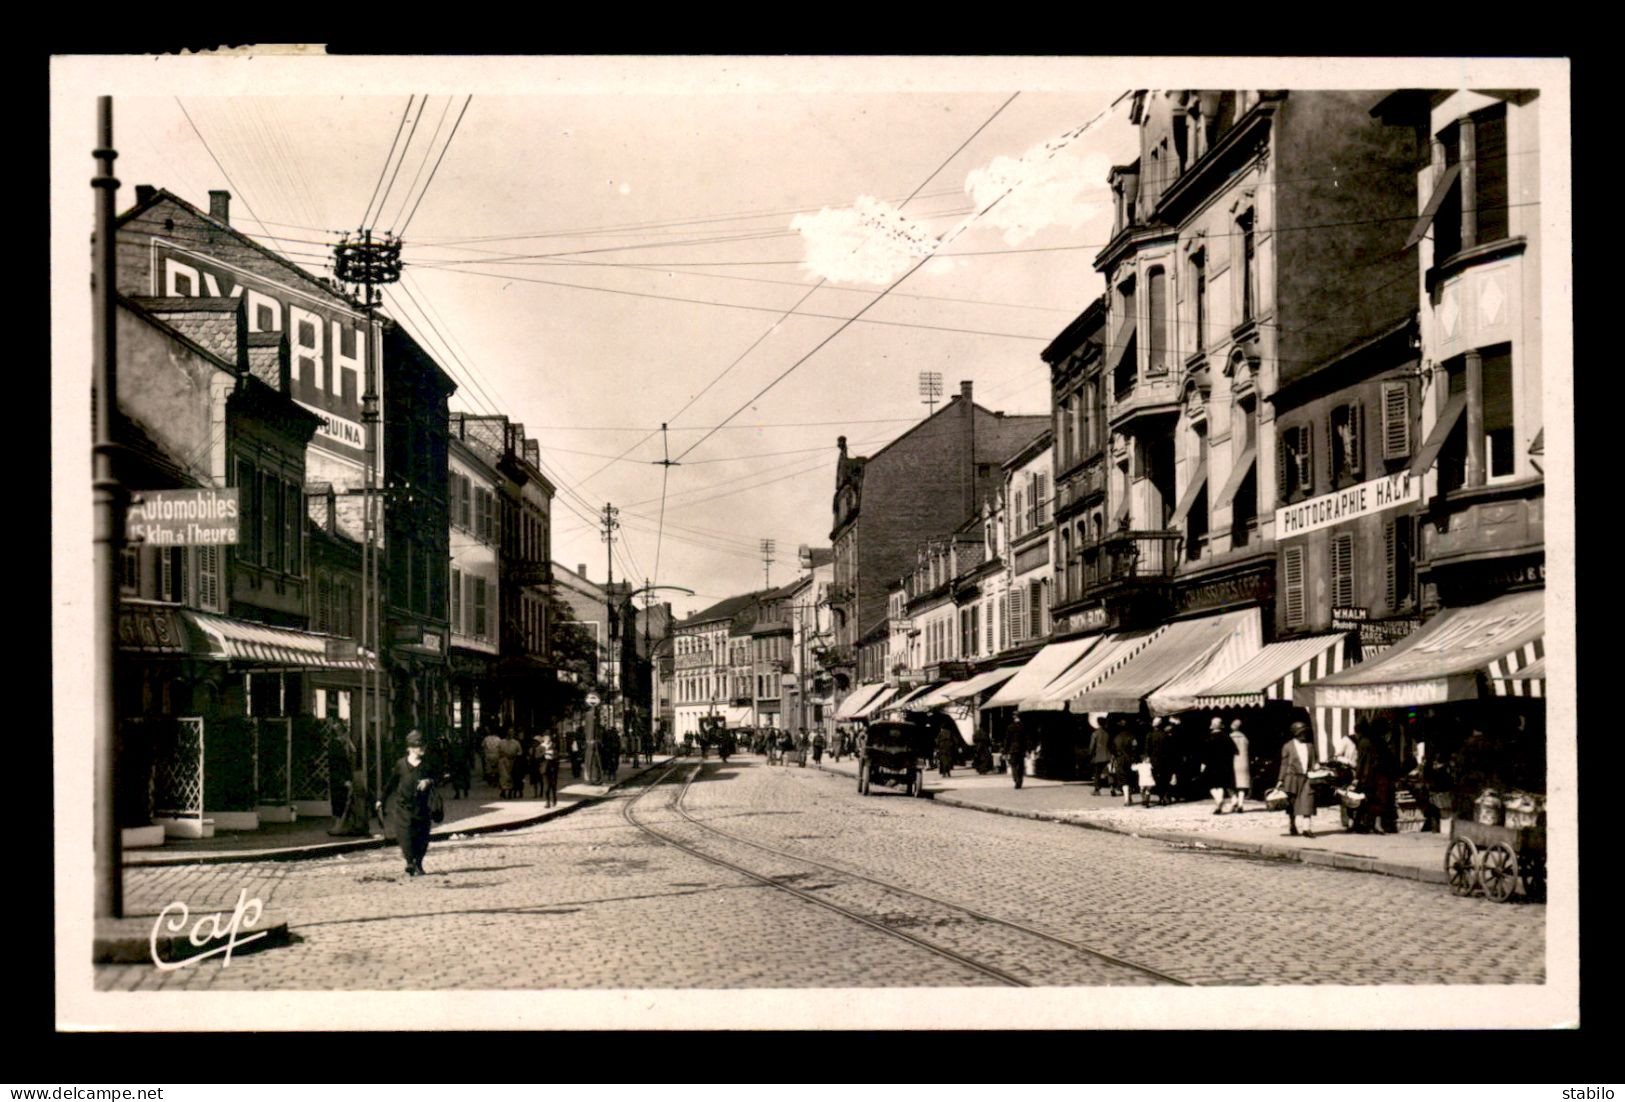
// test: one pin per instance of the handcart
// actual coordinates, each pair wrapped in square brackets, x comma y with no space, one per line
[1495,858]
[893,752]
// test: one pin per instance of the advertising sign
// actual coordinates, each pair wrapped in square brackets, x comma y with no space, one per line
[1355,501]
[327,343]
[182,518]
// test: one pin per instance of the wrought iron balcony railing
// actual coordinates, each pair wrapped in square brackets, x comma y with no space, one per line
[1131,558]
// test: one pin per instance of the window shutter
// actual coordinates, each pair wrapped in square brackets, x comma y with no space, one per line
[1343,570]
[295,517]
[456,616]
[1396,421]
[166,574]
[1390,574]
[1292,559]
[1035,597]
[208,577]
[1041,484]
[1283,456]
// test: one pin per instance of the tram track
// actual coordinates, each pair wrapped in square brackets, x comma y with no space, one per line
[886,922]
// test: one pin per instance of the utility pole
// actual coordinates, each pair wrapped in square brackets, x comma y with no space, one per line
[370,262]
[595,774]
[108,504]
[767,564]
[930,390]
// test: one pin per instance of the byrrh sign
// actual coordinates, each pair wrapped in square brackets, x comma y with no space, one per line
[1356,501]
[182,518]
[327,344]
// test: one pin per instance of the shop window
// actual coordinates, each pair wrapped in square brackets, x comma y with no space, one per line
[1499,455]
[1156,295]
[1348,443]
[1399,561]
[1293,586]
[1396,420]
[1342,570]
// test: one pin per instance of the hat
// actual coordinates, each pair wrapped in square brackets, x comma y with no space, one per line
[1174,721]
[1216,724]
[414,738]
[1235,724]
[1298,727]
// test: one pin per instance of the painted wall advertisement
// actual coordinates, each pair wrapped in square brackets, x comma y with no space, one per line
[327,343]
[1347,504]
[182,518]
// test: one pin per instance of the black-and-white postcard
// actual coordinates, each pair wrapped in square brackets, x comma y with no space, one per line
[812,543]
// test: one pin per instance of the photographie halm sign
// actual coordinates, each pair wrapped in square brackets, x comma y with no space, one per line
[1355,501]
[182,518]
[327,344]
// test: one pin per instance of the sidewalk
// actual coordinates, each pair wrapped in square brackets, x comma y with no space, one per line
[480,813]
[1258,832]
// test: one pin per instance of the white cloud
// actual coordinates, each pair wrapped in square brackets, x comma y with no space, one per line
[869,242]
[1048,187]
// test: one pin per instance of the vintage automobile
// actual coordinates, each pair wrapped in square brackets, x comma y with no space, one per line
[895,752]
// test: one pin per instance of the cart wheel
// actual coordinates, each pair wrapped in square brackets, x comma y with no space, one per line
[914,783]
[1498,872]
[863,781]
[919,784]
[1461,866]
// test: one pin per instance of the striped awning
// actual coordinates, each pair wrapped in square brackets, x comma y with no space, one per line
[905,700]
[261,646]
[858,698]
[961,690]
[1042,668]
[1272,673]
[1443,661]
[1178,649]
[1529,681]
[1109,654]
[876,703]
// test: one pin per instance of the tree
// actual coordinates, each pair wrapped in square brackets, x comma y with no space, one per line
[574,652]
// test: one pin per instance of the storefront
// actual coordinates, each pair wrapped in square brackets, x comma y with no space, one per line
[958,703]
[1049,731]
[1464,694]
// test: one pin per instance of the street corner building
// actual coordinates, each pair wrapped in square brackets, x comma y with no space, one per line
[386,552]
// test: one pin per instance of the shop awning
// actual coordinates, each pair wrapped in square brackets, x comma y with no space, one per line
[1274,672]
[1529,681]
[1441,432]
[265,647]
[876,703]
[905,701]
[1198,481]
[1180,648]
[1240,646]
[857,698]
[1110,653]
[1042,668]
[1440,662]
[1238,474]
[736,716]
[961,690]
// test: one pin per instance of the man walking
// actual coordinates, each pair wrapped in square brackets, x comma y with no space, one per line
[1015,749]
[1100,754]
[818,747]
[548,751]
[945,751]
[412,789]
[1160,749]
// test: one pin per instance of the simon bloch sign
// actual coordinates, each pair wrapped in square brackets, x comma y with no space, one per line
[327,343]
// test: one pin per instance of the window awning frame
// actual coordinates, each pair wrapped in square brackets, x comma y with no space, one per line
[1441,192]
[1238,475]
[1192,492]
[1452,413]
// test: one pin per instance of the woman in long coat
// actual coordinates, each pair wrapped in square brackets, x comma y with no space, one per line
[945,751]
[1124,754]
[1297,758]
[1243,766]
[411,786]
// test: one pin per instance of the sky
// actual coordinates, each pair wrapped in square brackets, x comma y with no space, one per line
[595,247]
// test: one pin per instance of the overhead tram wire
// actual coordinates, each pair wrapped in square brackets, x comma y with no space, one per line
[428,152]
[366,217]
[223,171]
[449,138]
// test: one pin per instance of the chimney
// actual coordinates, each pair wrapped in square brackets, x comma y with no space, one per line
[220,206]
[332,510]
[144,194]
[840,442]
[965,389]
[581,568]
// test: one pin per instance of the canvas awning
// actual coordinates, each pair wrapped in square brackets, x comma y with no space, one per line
[876,702]
[1440,662]
[906,698]
[1238,474]
[1110,653]
[1198,481]
[262,646]
[961,690]
[1529,681]
[1273,673]
[1042,668]
[1448,417]
[857,698]
[1243,642]
[1179,648]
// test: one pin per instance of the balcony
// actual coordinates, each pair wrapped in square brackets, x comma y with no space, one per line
[1131,560]
[838,657]
[1485,522]
[530,573]
[1144,396]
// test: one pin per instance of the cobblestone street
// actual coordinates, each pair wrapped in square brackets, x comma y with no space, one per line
[590,901]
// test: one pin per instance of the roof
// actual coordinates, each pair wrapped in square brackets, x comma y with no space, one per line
[725,609]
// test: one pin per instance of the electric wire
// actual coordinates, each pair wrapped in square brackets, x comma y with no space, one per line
[422,164]
[366,217]
[222,169]
[449,138]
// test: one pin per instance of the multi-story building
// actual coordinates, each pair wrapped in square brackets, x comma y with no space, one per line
[1029,530]
[588,605]
[808,701]
[1467,455]
[704,669]
[1078,383]
[770,637]
[926,483]
[475,588]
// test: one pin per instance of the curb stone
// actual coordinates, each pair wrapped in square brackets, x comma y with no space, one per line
[1322,858]
[156,858]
